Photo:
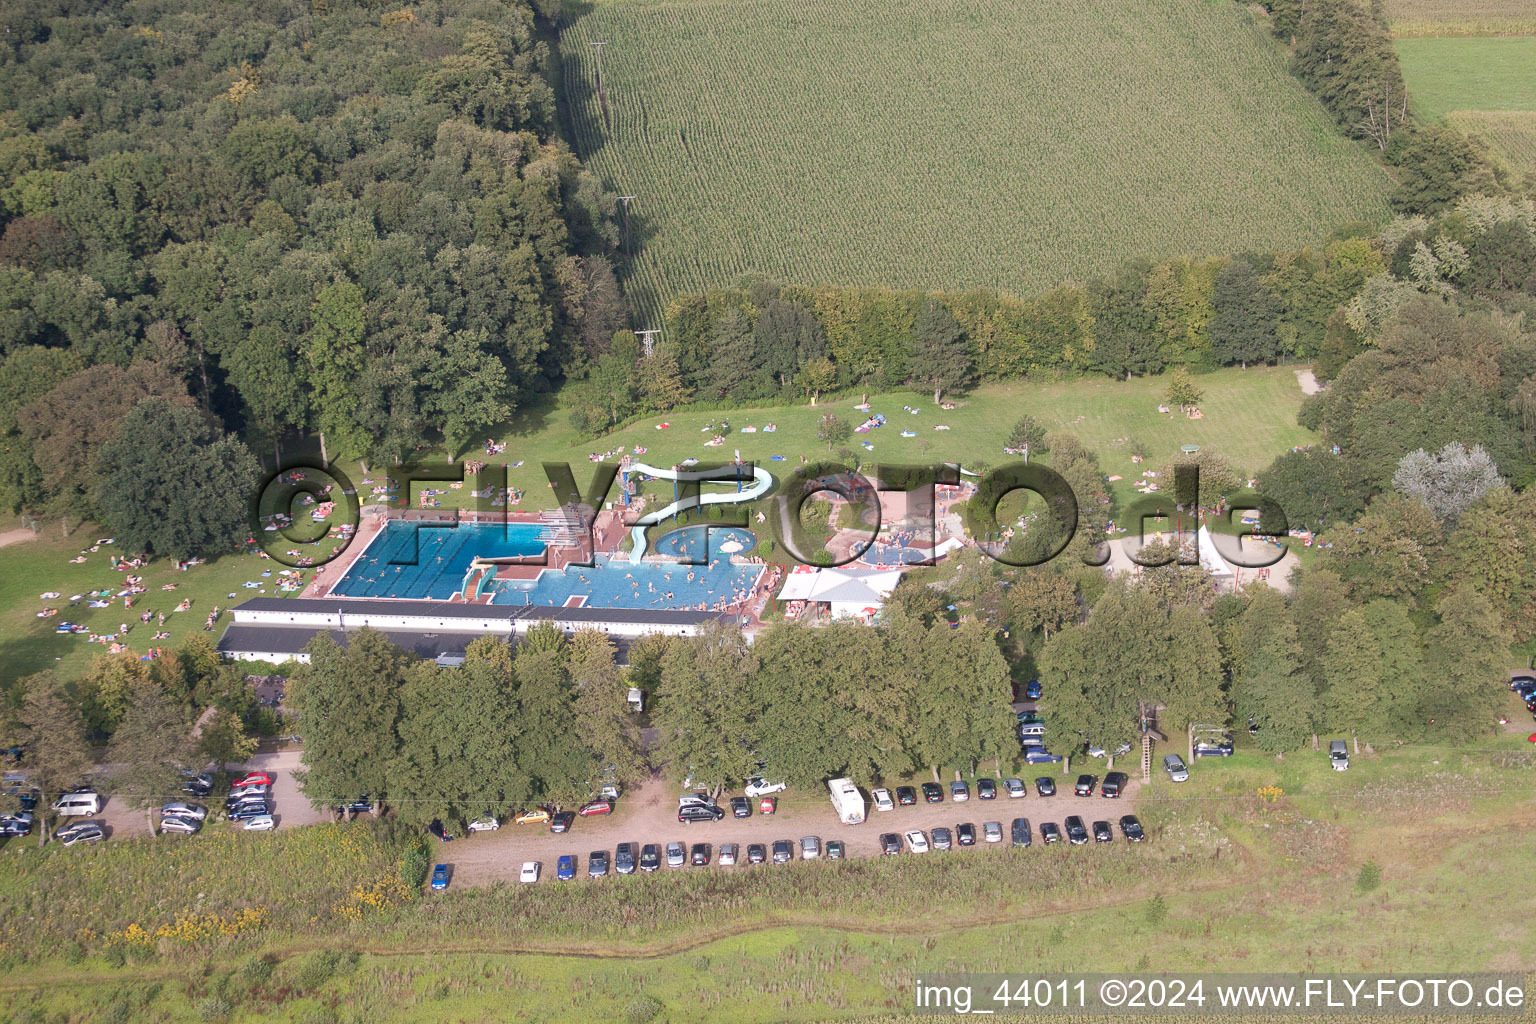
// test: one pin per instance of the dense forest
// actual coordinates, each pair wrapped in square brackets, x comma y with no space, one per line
[293,218]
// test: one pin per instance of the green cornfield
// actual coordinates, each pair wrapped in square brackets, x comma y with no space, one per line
[950,144]
[1509,134]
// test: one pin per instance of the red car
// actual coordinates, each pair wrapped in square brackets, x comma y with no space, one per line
[595,807]
[767,805]
[252,779]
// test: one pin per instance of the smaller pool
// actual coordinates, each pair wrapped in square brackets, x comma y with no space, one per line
[699,545]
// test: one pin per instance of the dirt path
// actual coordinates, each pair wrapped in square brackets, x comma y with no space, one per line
[17,536]
[649,815]
[1309,384]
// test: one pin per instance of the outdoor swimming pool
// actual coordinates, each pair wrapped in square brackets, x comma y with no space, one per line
[689,542]
[421,561]
[623,584]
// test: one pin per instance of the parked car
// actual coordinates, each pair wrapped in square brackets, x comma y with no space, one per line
[699,855]
[1029,718]
[1114,785]
[882,799]
[1102,833]
[1018,832]
[536,816]
[1045,786]
[362,805]
[1130,827]
[810,847]
[986,789]
[758,786]
[1213,748]
[933,793]
[783,851]
[437,829]
[941,838]
[596,807]
[756,853]
[252,779]
[16,824]
[261,823]
[741,807]
[485,824]
[78,803]
[196,789]
[185,810]
[187,826]
[1085,785]
[597,864]
[917,842]
[1014,788]
[676,855]
[565,868]
[650,857]
[94,834]
[906,796]
[1522,684]
[1049,832]
[1077,835]
[727,854]
[836,850]
[1039,755]
[959,792]
[1033,690]
[440,877]
[768,805]
[699,812]
[624,859]
[992,831]
[1338,755]
[530,872]
[965,834]
[78,826]
[1173,764]
[890,843]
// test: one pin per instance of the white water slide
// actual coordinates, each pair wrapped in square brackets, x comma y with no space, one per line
[761,481]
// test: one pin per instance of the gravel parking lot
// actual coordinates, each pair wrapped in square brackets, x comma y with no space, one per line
[649,815]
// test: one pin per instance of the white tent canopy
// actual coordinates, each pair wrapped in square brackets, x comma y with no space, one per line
[846,591]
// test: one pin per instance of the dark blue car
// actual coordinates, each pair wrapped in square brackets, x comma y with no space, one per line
[1032,690]
[1039,755]
[440,877]
[565,868]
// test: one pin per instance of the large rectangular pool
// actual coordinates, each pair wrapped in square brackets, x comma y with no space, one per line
[421,561]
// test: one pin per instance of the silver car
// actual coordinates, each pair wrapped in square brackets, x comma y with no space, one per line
[1014,787]
[180,809]
[727,854]
[810,847]
[992,831]
[1173,764]
[677,856]
[184,825]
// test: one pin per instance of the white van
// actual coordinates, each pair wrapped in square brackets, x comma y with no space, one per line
[636,700]
[1338,755]
[72,804]
[1032,729]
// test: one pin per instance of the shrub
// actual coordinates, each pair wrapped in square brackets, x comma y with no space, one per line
[415,865]
[642,1011]
[213,1009]
[258,969]
[73,952]
[1368,878]
[1157,910]
[115,957]
[315,970]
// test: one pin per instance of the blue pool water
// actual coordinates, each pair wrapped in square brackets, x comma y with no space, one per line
[411,560]
[689,543]
[623,584]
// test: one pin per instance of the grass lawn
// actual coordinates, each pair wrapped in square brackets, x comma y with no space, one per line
[1250,416]
[1443,75]
[1509,134]
[29,644]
